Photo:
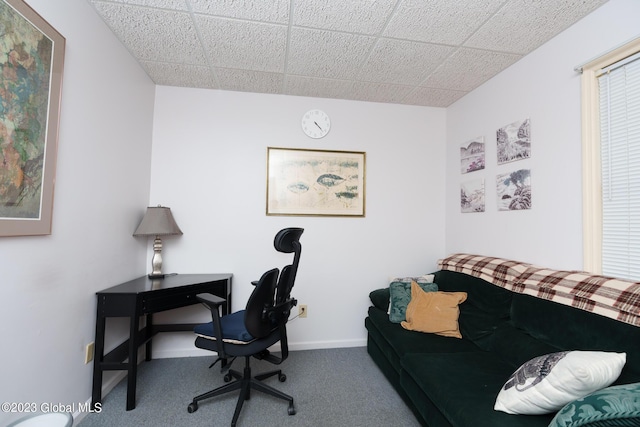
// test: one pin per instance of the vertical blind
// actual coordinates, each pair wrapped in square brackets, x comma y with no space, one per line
[619,87]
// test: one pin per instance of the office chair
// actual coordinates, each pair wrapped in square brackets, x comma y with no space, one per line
[250,332]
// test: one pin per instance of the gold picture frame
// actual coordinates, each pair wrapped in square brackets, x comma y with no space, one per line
[303,182]
[31,66]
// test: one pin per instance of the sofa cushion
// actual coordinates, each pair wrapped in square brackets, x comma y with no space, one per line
[516,347]
[487,305]
[569,328]
[463,386]
[401,341]
[546,383]
[612,406]
[434,312]
[400,297]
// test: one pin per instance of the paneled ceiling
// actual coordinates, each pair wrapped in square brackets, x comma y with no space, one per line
[417,52]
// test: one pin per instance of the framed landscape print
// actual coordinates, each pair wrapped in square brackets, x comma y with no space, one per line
[315,182]
[31,67]
[514,142]
[472,155]
[514,190]
[472,196]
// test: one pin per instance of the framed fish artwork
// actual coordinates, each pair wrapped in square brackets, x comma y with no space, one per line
[303,182]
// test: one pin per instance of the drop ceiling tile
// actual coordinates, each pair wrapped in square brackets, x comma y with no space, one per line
[327,54]
[433,97]
[439,21]
[167,74]
[249,81]
[378,92]
[397,51]
[161,4]
[352,16]
[402,62]
[523,25]
[232,43]
[345,89]
[153,34]
[467,69]
[315,87]
[256,10]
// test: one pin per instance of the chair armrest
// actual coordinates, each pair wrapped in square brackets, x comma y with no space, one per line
[213,303]
[210,300]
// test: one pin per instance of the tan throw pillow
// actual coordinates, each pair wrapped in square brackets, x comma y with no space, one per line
[434,312]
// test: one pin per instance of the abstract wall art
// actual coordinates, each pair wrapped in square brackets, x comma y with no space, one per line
[31,64]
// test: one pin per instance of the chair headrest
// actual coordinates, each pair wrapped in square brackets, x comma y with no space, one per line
[285,239]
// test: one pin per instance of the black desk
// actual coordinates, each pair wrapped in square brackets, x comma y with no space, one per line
[143,296]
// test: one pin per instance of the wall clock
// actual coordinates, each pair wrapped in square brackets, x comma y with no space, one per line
[316,123]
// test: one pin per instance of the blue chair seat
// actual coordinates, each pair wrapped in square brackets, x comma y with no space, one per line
[233,328]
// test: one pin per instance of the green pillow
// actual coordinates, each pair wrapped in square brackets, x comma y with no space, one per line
[612,406]
[400,296]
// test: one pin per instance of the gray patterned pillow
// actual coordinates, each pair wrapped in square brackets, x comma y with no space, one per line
[400,295]
[612,406]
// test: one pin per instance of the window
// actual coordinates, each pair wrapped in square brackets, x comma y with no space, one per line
[611,163]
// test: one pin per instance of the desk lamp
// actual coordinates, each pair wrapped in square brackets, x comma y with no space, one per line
[157,222]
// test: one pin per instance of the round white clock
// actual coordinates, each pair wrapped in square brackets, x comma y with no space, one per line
[316,123]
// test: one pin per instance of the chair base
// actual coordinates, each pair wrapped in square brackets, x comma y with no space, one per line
[245,383]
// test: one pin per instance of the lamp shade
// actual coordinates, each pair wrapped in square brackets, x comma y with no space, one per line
[158,221]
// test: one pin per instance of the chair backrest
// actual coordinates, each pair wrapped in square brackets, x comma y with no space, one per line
[288,241]
[256,316]
[270,303]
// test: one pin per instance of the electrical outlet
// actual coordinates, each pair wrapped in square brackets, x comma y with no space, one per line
[88,352]
[302,310]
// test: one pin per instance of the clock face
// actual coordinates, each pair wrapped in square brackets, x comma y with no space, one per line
[316,123]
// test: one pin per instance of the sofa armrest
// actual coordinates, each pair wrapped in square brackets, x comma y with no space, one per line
[380,299]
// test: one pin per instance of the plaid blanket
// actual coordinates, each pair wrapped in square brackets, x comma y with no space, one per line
[615,298]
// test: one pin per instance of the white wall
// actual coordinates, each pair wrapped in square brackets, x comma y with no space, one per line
[209,166]
[48,283]
[544,87]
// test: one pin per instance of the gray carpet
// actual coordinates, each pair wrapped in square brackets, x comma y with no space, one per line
[334,387]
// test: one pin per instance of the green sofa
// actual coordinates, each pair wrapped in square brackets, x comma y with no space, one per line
[454,382]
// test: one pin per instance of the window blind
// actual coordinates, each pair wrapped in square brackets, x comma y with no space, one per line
[619,87]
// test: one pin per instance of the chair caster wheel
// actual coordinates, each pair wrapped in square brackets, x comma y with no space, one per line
[227,378]
[193,407]
[282,378]
[291,410]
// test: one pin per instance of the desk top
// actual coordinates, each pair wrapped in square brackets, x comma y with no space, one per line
[144,284]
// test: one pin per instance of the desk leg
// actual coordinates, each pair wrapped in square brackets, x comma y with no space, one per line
[132,371]
[98,358]
[148,347]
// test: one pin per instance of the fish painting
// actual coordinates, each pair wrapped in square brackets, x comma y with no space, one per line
[346,195]
[329,180]
[298,187]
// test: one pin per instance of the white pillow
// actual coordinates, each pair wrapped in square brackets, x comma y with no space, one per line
[545,384]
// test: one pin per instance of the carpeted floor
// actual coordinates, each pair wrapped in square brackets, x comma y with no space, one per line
[334,387]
